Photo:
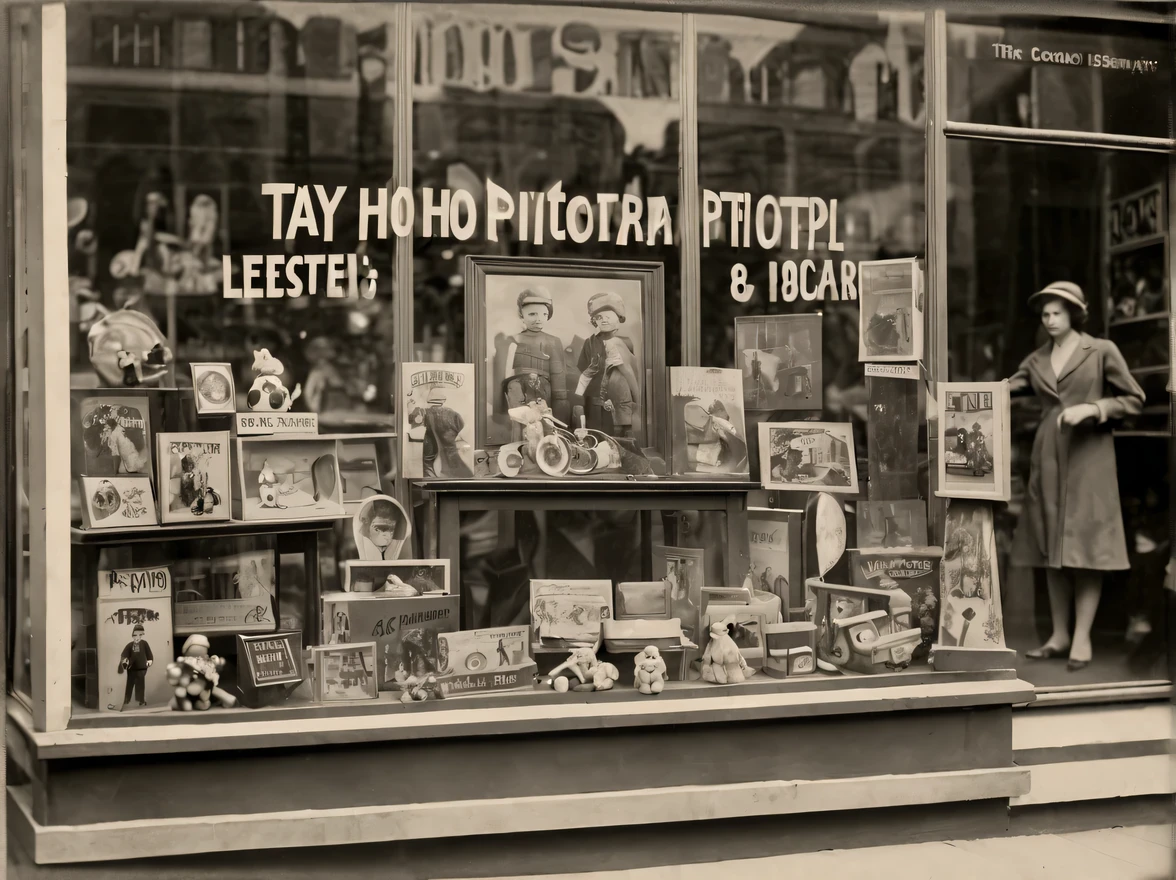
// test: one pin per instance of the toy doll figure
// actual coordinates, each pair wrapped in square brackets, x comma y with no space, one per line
[136,659]
[1072,521]
[535,359]
[608,369]
[443,443]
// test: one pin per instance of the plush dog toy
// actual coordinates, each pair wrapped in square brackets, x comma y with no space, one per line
[590,673]
[649,671]
[195,677]
[722,663]
[268,393]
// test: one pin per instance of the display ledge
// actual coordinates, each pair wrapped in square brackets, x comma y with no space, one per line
[232,528]
[526,712]
[579,484]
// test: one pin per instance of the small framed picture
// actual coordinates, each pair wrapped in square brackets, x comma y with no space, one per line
[398,578]
[808,456]
[780,357]
[212,386]
[890,310]
[974,440]
[644,600]
[344,672]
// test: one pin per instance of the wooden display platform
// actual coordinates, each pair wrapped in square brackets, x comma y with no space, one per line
[714,754]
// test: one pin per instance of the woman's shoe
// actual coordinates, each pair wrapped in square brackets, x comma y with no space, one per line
[1047,652]
[1073,665]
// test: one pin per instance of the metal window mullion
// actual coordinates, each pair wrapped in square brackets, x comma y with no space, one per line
[403,294]
[935,64]
[688,196]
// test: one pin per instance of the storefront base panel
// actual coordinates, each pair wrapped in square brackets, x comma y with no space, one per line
[152,838]
[768,756]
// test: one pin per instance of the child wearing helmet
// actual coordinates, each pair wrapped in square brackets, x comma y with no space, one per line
[608,369]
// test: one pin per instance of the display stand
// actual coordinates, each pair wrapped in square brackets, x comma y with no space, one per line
[455,497]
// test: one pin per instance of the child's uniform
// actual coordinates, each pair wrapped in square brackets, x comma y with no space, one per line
[134,660]
[539,372]
[604,387]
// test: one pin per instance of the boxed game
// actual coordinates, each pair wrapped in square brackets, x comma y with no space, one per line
[912,571]
[406,631]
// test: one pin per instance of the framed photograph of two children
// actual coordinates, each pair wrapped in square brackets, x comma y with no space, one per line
[577,334]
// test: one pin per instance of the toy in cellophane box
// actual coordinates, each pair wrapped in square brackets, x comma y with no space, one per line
[892,523]
[134,620]
[890,310]
[193,476]
[570,613]
[116,436]
[437,421]
[406,631]
[708,432]
[486,660]
[283,478]
[970,615]
[344,672]
[790,649]
[775,547]
[913,575]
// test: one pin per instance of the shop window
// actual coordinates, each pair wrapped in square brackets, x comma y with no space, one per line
[1024,216]
[1067,74]
[821,111]
[529,99]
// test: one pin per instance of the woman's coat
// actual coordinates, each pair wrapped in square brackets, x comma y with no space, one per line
[1072,517]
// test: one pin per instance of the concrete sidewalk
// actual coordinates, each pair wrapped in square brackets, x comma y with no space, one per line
[1139,853]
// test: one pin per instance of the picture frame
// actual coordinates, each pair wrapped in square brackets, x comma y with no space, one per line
[194,482]
[343,673]
[370,576]
[780,360]
[117,502]
[975,442]
[213,389]
[685,567]
[890,310]
[643,600]
[808,457]
[380,527]
[436,408]
[495,287]
[776,551]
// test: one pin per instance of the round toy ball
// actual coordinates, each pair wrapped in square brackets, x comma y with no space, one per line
[560,684]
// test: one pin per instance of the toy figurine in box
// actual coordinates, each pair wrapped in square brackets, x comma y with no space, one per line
[857,629]
[284,478]
[791,649]
[268,393]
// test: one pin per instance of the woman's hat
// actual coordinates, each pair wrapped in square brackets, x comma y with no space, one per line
[1067,290]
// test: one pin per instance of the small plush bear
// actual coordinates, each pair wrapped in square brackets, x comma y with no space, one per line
[195,677]
[722,663]
[649,671]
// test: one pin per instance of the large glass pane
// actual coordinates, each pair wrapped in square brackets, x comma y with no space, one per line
[1061,73]
[827,111]
[178,117]
[208,149]
[532,98]
[1021,217]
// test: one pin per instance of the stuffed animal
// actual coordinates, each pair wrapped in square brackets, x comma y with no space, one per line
[722,663]
[195,677]
[268,393]
[267,487]
[649,671]
[417,689]
[590,673]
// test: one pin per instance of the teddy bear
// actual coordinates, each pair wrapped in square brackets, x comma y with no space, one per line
[649,671]
[591,674]
[195,677]
[722,663]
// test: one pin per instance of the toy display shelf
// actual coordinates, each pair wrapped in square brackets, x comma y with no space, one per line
[92,732]
[233,528]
